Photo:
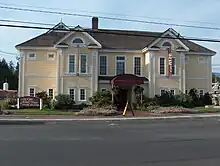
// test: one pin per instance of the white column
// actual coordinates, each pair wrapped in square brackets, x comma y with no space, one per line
[23,73]
[58,71]
[20,76]
[149,57]
[154,73]
[184,72]
[180,73]
[95,69]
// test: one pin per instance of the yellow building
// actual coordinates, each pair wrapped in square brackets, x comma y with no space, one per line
[81,61]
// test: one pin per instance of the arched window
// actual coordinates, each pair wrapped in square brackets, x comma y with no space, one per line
[167,44]
[78,41]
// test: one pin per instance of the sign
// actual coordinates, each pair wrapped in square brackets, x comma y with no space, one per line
[169,62]
[29,102]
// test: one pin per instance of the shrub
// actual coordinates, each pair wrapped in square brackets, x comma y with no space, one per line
[207,99]
[45,99]
[195,97]
[64,102]
[184,100]
[101,99]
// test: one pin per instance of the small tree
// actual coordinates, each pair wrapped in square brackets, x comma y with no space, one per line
[64,102]
[101,99]
[207,99]
[195,96]
[45,99]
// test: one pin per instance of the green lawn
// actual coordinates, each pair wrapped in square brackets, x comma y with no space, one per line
[208,110]
[43,112]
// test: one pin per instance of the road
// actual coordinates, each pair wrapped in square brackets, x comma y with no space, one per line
[120,143]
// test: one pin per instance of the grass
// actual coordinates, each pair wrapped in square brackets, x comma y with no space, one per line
[208,110]
[41,112]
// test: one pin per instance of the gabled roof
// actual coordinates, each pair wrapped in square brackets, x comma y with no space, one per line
[112,39]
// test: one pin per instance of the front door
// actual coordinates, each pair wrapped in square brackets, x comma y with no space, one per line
[121,99]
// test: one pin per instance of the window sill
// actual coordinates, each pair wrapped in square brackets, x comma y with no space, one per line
[165,76]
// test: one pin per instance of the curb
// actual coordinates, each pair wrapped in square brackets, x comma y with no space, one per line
[26,121]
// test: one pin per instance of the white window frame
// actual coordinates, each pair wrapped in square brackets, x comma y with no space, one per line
[29,88]
[161,91]
[74,92]
[80,94]
[174,91]
[174,67]
[165,65]
[31,58]
[77,37]
[140,65]
[51,53]
[121,61]
[203,92]
[68,65]
[167,41]
[106,65]
[86,64]
[205,59]
[48,92]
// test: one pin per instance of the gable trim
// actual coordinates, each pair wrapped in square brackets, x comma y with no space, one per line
[78,30]
[168,32]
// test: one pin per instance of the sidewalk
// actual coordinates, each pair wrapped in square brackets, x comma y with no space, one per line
[52,118]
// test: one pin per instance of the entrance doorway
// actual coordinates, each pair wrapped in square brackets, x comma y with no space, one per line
[121,99]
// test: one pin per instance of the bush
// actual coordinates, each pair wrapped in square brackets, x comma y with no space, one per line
[45,99]
[64,102]
[197,101]
[184,100]
[101,99]
[207,99]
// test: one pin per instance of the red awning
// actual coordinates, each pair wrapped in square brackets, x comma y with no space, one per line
[127,80]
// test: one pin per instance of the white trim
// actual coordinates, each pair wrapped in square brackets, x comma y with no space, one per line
[31,58]
[77,37]
[168,32]
[20,75]
[167,41]
[78,30]
[80,94]
[39,76]
[141,64]
[60,52]
[67,72]
[198,78]
[31,87]
[23,74]
[74,92]
[116,63]
[106,65]
[120,51]
[175,66]
[87,67]
[150,49]
[108,82]
[165,66]
[51,53]
[35,48]
[200,53]
[48,92]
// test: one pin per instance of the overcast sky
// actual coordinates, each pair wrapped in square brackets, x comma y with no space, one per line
[191,12]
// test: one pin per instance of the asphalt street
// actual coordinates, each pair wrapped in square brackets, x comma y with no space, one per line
[179,142]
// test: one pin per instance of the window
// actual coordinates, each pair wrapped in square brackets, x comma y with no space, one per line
[103,65]
[162,65]
[162,91]
[201,92]
[172,91]
[173,66]
[32,92]
[72,93]
[50,56]
[82,94]
[50,93]
[137,65]
[72,64]
[120,65]
[83,64]
[31,56]
[186,91]
[167,44]
[78,41]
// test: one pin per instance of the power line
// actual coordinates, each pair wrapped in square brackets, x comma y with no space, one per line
[109,18]
[8,53]
[111,32]
[106,13]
